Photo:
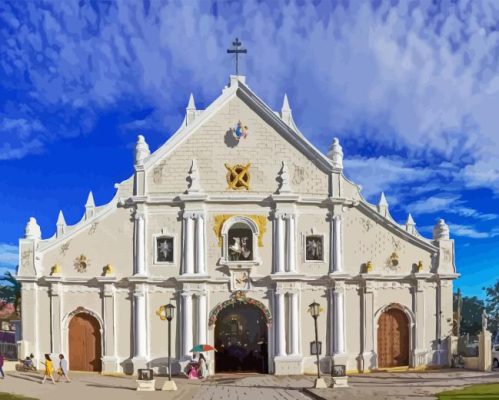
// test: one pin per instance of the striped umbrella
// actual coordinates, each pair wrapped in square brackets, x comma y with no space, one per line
[199,348]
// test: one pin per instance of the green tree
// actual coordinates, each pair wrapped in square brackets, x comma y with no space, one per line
[492,306]
[10,290]
[471,315]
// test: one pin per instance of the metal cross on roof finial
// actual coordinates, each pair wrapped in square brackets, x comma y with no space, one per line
[236,50]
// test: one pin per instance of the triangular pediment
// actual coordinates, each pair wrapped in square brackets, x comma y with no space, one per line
[209,138]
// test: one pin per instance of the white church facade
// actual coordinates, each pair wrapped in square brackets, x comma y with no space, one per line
[241,223]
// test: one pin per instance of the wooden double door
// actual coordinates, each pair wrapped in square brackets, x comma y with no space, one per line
[85,350]
[393,339]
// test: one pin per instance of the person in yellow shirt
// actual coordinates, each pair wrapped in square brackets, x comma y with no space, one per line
[49,369]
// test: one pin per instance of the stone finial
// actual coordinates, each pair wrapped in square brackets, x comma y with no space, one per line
[190,111]
[284,185]
[410,225]
[441,230]
[61,224]
[383,205]
[335,154]
[32,230]
[89,206]
[141,150]
[286,115]
[193,178]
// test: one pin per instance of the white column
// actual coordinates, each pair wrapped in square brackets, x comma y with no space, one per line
[337,255]
[202,318]
[339,321]
[140,322]
[139,244]
[295,325]
[200,256]
[188,244]
[291,240]
[280,243]
[281,325]
[186,323]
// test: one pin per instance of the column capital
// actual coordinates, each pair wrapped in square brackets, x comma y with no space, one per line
[139,290]
[186,293]
[108,290]
[193,214]
[55,289]
[338,286]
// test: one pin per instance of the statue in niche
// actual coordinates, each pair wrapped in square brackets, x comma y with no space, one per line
[314,248]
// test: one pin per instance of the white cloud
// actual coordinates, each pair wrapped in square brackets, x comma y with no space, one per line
[388,174]
[9,255]
[471,232]
[421,78]
[432,204]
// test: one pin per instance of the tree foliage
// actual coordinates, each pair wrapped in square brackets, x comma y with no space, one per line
[471,315]
[492,306]
[10,290]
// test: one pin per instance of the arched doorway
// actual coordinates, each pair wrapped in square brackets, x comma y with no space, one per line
[84,343]
[241,335]
[393,339]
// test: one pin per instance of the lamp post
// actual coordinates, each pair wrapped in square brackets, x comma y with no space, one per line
[168,312]
[315,310]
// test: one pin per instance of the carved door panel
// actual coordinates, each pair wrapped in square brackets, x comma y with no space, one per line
[84,343]
[393,339]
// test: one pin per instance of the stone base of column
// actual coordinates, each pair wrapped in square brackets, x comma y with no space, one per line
[139,363]
[288,365]
[418,358]
[340,359]
[110,365]
[367,361]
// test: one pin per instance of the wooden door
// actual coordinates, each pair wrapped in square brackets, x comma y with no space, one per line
[84,343]
[393,339]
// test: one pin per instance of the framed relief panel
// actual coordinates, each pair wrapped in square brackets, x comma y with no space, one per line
[164,249]
[314,248]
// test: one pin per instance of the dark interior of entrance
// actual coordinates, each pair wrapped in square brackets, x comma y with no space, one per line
[241,340]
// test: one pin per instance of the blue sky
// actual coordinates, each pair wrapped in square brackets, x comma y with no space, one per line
[411,88]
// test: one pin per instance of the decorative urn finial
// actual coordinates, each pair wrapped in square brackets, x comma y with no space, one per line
[32,230]
[141,150]
[441,230]
[335,154]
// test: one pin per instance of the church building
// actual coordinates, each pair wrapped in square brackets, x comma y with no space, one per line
[239,222]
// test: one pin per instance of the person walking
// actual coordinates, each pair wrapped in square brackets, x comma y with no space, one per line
[63,369]
[1,366]
[49,369]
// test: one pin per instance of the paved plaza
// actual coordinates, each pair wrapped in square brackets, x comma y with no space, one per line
[419,385]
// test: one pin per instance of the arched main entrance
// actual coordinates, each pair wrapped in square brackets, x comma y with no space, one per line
[393,339]
[241,335]
[84,343]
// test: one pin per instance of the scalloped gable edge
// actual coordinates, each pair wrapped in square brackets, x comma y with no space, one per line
[417,240]
[252,100]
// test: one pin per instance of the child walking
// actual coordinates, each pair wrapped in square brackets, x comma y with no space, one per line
[49,369]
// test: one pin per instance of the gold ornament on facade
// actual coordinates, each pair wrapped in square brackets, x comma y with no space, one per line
[161,313]
[419,266]
[394,259]
[238,176]
[56,269]
[259,220]
[81,263]
[369,267]
[108,270]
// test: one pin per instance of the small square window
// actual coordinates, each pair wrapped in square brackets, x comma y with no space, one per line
[314,248]
[164,249]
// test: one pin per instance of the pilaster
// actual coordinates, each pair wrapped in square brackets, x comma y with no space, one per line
[109,359]
[187,331]
[368,355]
[140,243]
[55,316]
[140,327]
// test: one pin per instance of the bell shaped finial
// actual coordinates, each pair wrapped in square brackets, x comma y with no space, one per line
[141,150]
[335,154]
